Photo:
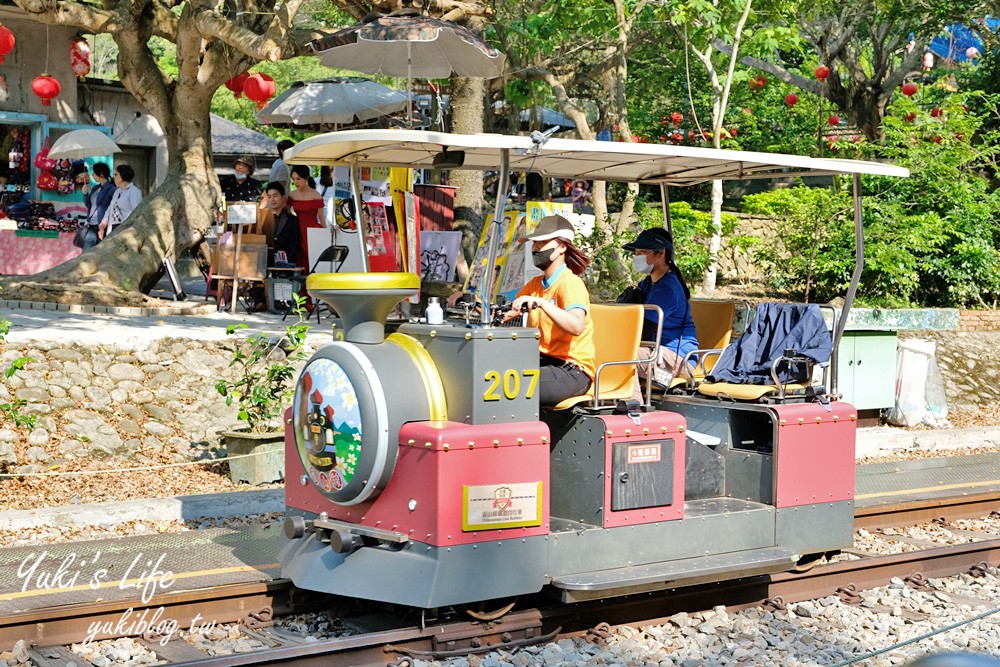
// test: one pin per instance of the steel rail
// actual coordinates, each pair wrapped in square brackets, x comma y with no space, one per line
[894,515]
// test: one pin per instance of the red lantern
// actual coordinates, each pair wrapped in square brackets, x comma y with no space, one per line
[79,56]
[46,87]
[936,112]
[791,99]
[822,72]
[259,88]
[910,89]
[7,42]
[833,120]
[911,116]
[237,83]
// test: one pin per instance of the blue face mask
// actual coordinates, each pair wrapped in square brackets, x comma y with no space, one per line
[241,177]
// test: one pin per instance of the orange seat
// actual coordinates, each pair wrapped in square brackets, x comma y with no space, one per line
[617,332]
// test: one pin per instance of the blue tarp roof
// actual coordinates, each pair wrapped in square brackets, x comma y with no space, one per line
[956,39]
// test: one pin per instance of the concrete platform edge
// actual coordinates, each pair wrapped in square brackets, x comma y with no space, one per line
[177,508]
[187,310]
[887,440]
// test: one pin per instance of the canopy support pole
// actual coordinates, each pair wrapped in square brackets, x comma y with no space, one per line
[486,282]
[665,202]
[358,214]
[859,265]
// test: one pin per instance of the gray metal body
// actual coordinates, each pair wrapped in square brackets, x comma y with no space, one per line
[464,356]
[417,574]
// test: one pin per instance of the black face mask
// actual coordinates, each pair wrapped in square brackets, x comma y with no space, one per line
[542,259]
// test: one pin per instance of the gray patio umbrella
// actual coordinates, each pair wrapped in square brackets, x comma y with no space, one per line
[407,43]
[331,102]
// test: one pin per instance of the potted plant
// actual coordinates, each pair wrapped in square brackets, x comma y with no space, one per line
[262,388]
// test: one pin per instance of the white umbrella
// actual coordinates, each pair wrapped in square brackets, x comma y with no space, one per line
[336,101]
[78,144]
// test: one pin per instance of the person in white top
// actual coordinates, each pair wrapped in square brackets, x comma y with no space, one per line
[124,201]
[279,170]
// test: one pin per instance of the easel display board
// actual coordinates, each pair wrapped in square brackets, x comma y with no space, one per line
[252,264]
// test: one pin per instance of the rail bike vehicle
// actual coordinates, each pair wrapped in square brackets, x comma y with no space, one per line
[421,471]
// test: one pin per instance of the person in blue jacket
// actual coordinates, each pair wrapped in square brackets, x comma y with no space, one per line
[96,200]
[664,286]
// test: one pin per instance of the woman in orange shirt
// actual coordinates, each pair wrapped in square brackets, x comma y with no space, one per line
[559,307]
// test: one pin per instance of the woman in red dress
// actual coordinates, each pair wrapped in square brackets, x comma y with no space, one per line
[307,204]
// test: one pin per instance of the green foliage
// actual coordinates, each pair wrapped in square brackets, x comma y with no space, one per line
[611,268]
[930,239]
[12,409]
[265,370]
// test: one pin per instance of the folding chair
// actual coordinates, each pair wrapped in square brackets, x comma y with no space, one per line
[334,256]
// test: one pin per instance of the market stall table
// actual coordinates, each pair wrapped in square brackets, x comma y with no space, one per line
[27,251]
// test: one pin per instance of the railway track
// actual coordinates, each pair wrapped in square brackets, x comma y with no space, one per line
[377,639]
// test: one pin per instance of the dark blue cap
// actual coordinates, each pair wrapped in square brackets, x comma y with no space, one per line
[652,239]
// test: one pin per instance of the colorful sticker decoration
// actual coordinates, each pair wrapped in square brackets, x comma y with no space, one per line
[329,425]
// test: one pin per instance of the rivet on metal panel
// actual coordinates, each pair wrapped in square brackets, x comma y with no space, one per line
[520,441]
[680,429]
[537,335]
[819,420]
[628,432]
[304,480]
[468,336]
[801,420]
[496,443]
[663,429]
[836,418]
[545,439]
[428,444]
[445,447]
[608,434]
[782,422]
[513,336]
[434,333]
[854,418]
[472,443]
[410,441]
[489,336]
[645,431]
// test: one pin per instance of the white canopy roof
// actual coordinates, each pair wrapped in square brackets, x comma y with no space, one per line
[569,158]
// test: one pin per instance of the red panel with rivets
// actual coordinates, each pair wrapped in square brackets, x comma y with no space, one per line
[437,461]
[814,454]
[652,426]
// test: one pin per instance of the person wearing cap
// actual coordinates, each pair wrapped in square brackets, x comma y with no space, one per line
[664,286]
[559,307]
[240,186]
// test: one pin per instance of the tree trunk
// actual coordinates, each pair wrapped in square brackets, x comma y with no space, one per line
[711,273]
[171,220]
[467,97]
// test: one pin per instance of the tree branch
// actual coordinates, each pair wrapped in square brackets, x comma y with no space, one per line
[74,14]
[211,24]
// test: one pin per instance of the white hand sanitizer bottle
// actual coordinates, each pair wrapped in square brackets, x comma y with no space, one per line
[434,312]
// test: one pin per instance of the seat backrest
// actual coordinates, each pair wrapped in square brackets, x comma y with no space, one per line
[617,332]
[713,323]
[335,255]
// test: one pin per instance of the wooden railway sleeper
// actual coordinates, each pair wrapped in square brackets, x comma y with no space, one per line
[508,642]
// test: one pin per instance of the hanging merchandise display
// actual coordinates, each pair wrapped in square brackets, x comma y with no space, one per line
[79,56]
[46,87]
[7,42]
[259,88]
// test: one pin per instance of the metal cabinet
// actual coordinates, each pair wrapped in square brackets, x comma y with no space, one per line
[866,368]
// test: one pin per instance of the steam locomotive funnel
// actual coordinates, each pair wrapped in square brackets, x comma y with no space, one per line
[363,300]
